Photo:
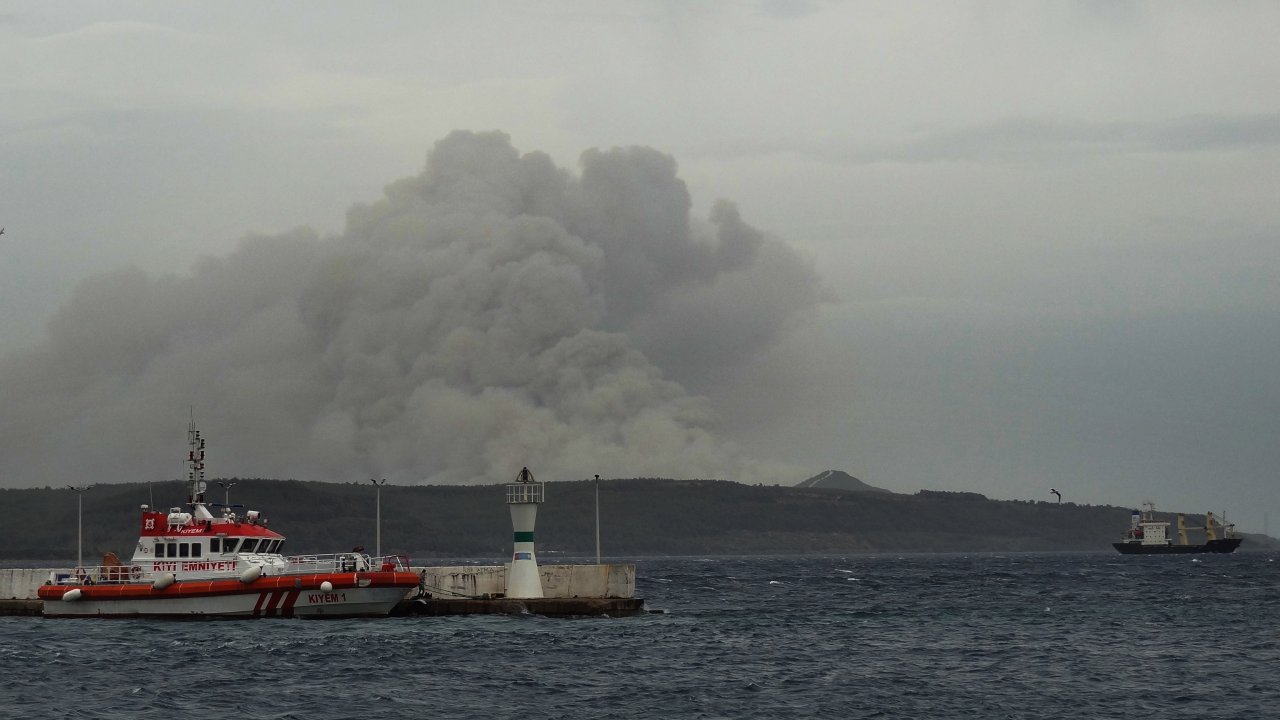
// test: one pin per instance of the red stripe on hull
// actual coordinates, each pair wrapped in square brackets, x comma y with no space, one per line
[257,607]
[213,588]
[276,597]
[287,610]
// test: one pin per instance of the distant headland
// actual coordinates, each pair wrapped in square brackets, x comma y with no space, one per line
[832,512]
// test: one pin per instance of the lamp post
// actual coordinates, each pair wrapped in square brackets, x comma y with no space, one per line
[79,491]
[597,519]
[377,548]
[227,487]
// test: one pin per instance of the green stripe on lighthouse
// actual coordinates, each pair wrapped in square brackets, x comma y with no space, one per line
[524,536]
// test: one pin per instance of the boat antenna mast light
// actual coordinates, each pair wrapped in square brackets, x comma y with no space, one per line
[195,465]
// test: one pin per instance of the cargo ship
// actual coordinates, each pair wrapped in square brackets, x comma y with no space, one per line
[195,563]
[1149,536]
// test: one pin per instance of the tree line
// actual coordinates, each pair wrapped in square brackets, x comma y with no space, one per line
[638,517]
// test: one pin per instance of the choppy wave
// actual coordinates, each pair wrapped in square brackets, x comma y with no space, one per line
[1011,636]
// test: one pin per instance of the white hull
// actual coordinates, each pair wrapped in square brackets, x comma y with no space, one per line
[289,602]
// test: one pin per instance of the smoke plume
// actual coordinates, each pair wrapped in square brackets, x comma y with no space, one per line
[494,311]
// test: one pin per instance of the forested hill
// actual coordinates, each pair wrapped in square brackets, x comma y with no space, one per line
[638,517]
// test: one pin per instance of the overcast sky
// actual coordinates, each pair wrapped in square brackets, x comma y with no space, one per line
[998,247]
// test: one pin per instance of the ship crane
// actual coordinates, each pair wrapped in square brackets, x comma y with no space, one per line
[1210,528]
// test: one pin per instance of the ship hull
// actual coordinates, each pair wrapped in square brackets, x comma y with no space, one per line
[1222,545]
[372,594]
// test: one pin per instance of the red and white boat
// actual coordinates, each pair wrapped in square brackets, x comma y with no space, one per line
[193,564]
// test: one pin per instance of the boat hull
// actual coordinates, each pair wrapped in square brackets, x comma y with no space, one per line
[1221,545]
[372,594]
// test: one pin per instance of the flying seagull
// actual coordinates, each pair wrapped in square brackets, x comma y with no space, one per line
[1055,492]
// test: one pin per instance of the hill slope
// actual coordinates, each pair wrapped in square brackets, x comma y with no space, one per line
[638,517]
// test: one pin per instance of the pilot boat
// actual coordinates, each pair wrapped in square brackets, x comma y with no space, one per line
[191,563]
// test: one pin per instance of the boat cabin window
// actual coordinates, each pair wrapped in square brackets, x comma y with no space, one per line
[172,550]
[215,545]
[184,550]
[197,549]
[250,544]
[229,545]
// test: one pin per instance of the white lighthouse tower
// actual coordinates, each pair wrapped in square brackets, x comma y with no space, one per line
[523,496]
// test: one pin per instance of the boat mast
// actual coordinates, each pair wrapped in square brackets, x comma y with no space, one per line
[195,472]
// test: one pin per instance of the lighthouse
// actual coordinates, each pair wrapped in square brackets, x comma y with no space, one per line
[523,496]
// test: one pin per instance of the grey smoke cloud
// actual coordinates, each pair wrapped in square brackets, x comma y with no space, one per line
[492,312]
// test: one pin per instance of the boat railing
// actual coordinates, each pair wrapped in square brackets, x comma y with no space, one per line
[98,575]
[298,564]
[346,562]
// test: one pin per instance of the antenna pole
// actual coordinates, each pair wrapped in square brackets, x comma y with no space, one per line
[227,487]
[79,522]
[377,547]
[597,519]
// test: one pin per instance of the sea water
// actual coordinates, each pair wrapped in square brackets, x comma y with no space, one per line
[1088,635]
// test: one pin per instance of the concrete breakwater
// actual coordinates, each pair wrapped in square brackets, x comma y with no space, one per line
[607,589]
[568,590]
[558,581]
[22,583]
[553,607]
